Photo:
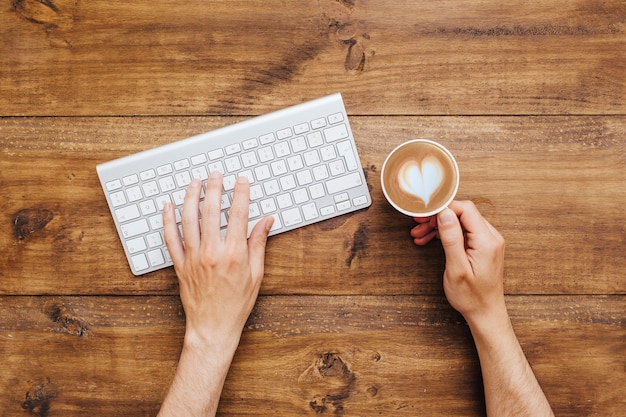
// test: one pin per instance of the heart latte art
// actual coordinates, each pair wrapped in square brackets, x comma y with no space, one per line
[421,179]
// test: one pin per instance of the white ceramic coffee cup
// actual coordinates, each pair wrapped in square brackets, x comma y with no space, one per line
[451,190]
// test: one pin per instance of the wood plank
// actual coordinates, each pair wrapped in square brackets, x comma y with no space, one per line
[156,57]
[554,186]
[302,355]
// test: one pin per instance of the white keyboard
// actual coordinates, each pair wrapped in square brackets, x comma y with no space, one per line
[301,162]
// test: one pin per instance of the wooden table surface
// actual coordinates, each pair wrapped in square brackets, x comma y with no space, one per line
[352,319]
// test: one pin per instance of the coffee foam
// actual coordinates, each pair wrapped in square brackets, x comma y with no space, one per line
[421,180]
[420,177]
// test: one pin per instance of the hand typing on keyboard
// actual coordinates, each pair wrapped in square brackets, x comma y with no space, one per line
[219,277]
[301,163]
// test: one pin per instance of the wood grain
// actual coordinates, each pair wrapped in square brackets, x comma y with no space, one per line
[65,57]
[530,97]
[554,187]
[305,355]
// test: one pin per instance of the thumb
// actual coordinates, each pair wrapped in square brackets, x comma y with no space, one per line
[256,246]
[453,242]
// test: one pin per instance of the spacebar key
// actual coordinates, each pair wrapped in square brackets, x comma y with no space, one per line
[343,183]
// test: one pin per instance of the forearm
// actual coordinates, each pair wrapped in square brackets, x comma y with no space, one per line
[511,388]
[198,382]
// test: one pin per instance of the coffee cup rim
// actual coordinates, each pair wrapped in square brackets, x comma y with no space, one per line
[438,209]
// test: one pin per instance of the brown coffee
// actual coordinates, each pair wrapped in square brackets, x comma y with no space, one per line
[420,178]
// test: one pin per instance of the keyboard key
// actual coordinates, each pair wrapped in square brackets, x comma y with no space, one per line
[161,200]
[345,149]
[271,187]
[127,213]
[310,211]
[344,205]
[335,118]
[181,164]
[266,154]
[179,196]
[292,217]
[200,173]
[301,128]
[279,168]
[335,133]
[249,159]
[281,149]
[165,169]
[167,184]
[295,163]
[134,228]
[156,222]
[118,198]
[147,207]
[134,193]
[139,262]
[298,144]
[288,182]
[360,200]
[304,177]
[284,201]
[267,138]
[233,149]
[150,189]
[268,205]
[275,226]
[317,123]
[232,164]
[317,191]
[336,168]
[154,239]
[216,154]
[113,185]
[346,182]
[156,257]
[130,180]
[311,158]
[250,143]
[147,174]
[284,133]
[328,210]
[136,245]
[198,159]
[315,139]
[328,153]
[262,172]
[300,196]
[183,179]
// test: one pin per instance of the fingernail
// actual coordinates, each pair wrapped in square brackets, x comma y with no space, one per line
[195,182]
[215,174]
[242,179]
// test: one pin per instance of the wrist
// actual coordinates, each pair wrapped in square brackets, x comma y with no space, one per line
[210,350]
[490,324]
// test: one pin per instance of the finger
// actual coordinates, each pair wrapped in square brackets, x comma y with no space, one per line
[172,237]
[423,233]
[212,207]
[239,210]
[423,240]
[469,216]
[453,242]
[432,220]
[191,228]
[256,246]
